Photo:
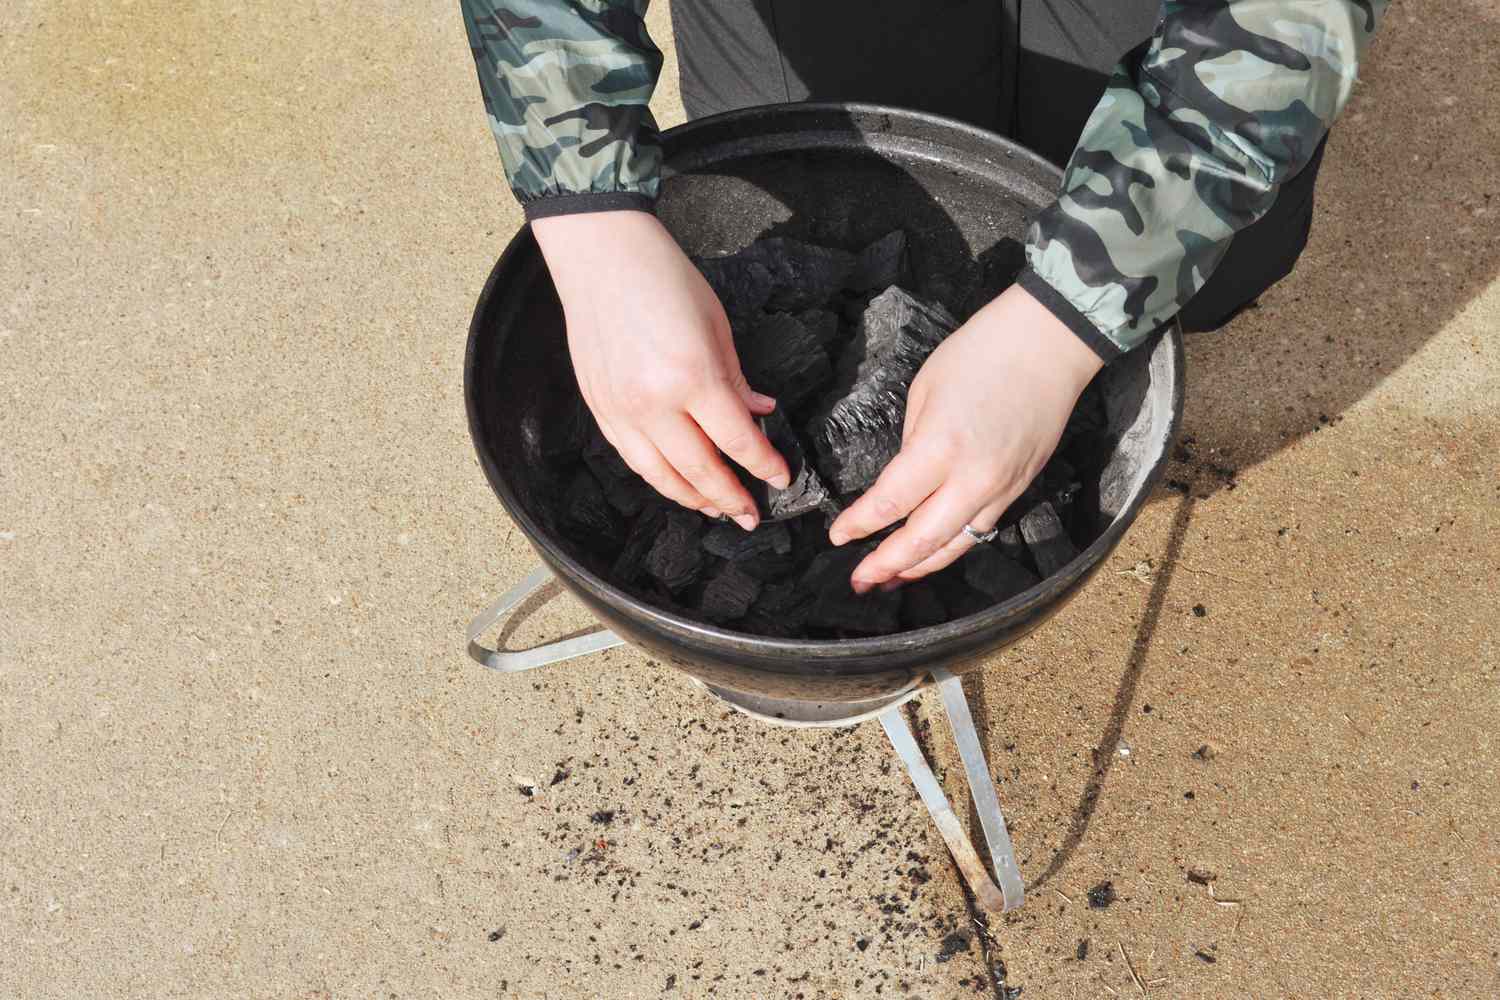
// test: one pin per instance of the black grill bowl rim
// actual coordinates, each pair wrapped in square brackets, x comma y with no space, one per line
[1007,618]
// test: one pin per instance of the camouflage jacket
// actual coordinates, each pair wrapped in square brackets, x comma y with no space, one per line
[1190,143]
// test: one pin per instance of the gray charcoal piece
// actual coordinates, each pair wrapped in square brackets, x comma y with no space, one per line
[729,594]
[777,273]
[587,516]
[857,429]
[765,553]
[805,494]
[1049,543]
[676,557]
[836,606]
[881,264]
[782,358]
[743,284]
[996,575]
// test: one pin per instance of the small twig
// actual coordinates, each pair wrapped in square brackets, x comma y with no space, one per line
[1063,895]
[1222,902]
[219,832]
[1352,725]
[1126,956]
[1108,987]
[1204,572]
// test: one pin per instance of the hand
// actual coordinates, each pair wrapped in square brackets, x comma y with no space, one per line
[982,417]
[655,360]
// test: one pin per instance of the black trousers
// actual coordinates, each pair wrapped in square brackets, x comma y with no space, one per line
[1029,69]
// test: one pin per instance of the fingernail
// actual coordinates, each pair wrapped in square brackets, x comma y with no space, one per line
[890,585]
[763,399]
[712,512]
[837,537]
[781,482]
[861,586]
[746,521]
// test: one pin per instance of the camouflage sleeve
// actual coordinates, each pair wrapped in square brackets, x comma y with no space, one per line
[1193,138]
[566,85]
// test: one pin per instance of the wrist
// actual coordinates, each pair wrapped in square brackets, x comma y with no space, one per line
[1036,337]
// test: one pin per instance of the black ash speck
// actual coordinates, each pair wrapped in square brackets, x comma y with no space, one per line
[1102,896]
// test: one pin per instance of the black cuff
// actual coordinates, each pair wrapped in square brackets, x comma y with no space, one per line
[1069,314]
[586,201]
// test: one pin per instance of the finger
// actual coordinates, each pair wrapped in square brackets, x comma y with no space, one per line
[689,451]
[911,478]
[981,522]
[930,527]
[643,457]
[727,423]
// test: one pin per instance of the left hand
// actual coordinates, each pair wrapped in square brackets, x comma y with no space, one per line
[982,417]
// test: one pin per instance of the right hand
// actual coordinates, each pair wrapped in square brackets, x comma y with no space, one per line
[655,361]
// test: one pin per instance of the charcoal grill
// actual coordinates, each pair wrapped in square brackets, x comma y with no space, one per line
[836,175]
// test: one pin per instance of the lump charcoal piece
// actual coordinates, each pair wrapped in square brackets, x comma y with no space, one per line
[742,283]
[778,274]
[822,324]
[566,428]
[858,429]
[836,606]
[765,553]
[780,612]
[781,357]
[803,275]
[1049,544]
[588,519]
[881,264]
[805,494]
[729,594]
[676,558]
[960,599]
[631,563]
[995,575]
[1010,545]
[628,493]
[921,607]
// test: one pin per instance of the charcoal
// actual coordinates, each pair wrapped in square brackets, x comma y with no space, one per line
[743,284]
[676,558]
[782,358]
[729,594]
[822,324]
[1050,545]
[857,429]
[565,430]
[631,562]
[995,574]
[805,494]
[779,612]
[881,264]
[765,553]
[628,493]
[836,606]
[921,607]
[1009,543]
[587,516]
[777,273]
[957,596]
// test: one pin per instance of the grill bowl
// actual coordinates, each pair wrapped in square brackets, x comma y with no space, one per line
[838,175]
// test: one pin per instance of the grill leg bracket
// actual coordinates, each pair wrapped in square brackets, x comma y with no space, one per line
[537,656]
[1010,891]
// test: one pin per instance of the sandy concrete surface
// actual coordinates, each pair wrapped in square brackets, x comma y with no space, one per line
[242,753]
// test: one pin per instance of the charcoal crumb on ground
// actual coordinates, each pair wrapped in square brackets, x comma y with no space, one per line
[1204,957]
[604,817]
[1082,951]
[1102,896]
[954,944]
[1199,611]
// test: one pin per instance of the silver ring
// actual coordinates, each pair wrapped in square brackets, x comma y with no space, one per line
[983,538]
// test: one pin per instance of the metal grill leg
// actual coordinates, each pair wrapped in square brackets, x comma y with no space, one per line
[537,656]
[1010,892]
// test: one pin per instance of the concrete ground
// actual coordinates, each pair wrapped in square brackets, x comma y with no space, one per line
[242,753]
